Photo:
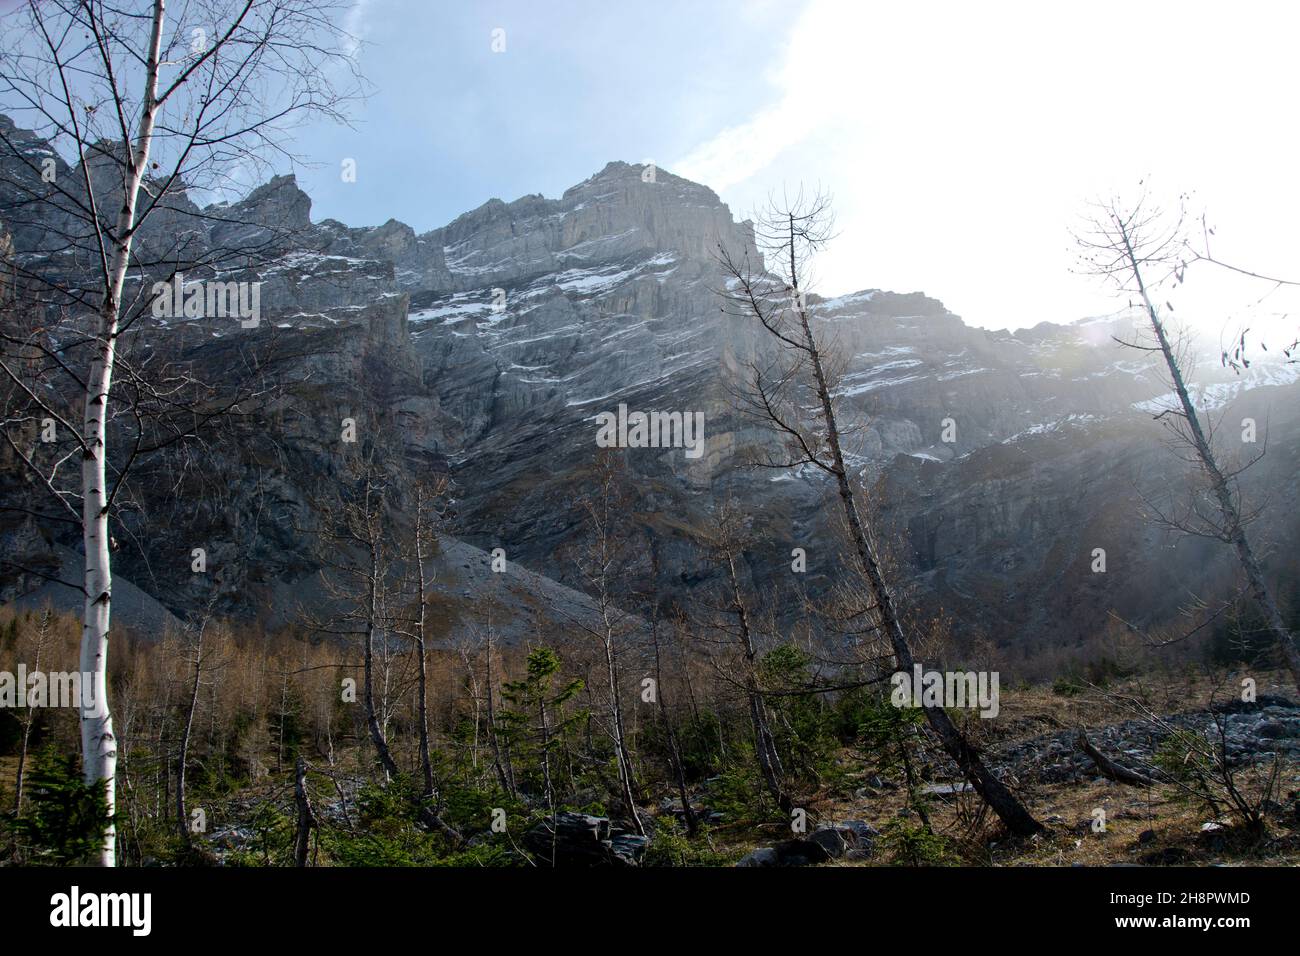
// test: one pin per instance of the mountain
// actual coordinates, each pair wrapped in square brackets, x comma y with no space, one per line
[485,350]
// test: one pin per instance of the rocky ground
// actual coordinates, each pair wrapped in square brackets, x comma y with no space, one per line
[1251,733]
[1158,825]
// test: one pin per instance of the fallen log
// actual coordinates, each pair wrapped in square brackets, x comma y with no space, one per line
[1109,768]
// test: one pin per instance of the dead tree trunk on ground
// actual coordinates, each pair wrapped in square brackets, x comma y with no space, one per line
[1108,768]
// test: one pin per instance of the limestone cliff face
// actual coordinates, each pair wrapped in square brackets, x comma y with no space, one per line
[623,212]
[997,461]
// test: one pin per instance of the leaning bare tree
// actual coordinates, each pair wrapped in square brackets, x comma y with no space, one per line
[1137,248]
[797,386]
[147,105]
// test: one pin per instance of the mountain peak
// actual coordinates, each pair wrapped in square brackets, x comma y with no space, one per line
[648,175]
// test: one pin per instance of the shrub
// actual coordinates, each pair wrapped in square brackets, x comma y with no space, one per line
[913,844]
[64,818]
[672,847]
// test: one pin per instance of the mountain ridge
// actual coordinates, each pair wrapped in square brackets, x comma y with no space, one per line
[485,348]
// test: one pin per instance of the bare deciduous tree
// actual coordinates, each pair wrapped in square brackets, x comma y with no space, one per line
[358,581]
[423,544]
[1137,248]
[41,639]
[601,564]
[363,577]
[799,381]
[147,104]
[726,540]
[187,726]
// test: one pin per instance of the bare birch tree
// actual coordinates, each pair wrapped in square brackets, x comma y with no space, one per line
[147,104]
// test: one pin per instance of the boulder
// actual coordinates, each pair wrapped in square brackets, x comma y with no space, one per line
[863,844]
[763,856]
[580,839]
[800,853]
[832,840]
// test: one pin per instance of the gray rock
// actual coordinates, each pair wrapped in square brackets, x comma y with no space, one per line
[1277,729]
[946,789]
[859,833]
[579,839]
[800,853]
[832,840]
[628,849]
[763,856]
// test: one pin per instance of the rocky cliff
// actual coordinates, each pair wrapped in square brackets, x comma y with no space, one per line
[997,461]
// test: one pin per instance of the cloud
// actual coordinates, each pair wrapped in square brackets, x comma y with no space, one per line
[739,152]
[356,25]
[960,141]
[816,58]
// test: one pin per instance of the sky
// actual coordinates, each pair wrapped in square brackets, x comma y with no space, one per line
[960,141]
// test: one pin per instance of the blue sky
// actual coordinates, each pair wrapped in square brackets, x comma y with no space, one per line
[453,124]
[960,141]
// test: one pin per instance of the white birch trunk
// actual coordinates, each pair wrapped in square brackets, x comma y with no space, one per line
[98,744]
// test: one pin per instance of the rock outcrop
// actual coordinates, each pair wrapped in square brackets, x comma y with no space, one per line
[485,349]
